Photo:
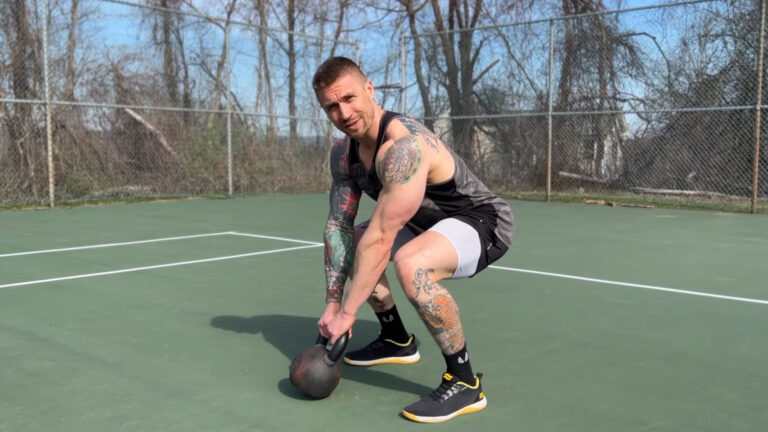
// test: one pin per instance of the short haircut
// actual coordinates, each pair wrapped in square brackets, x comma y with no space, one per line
[332,69]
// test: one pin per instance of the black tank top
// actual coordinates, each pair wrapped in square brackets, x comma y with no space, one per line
[368,180]
[463,197]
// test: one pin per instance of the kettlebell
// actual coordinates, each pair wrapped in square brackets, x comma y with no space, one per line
[316,370]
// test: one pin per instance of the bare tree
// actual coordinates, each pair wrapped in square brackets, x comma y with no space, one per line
[713,64]
[291,52]
[166,37]
[218,79]
[220,66]
[452,57]
[589,81]
[69,74]
[25,78]
[264,70]
[169,65]
[343,5]
[461,18]
[411,10]
[186,85]
[291,12]
[167,23]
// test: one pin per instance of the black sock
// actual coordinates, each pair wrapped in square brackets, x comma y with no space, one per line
[392,326]
[458,365]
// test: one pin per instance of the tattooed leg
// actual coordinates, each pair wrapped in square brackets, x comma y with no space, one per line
[381,299]
[437,309]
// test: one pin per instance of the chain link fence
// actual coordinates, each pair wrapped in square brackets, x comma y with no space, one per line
[639,106]
[147,100]
[648,105]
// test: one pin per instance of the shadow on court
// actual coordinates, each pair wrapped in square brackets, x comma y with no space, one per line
[291,334]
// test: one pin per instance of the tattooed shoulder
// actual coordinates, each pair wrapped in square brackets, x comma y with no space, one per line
[417,128]
[401,161]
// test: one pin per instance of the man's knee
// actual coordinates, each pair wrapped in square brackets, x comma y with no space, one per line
[379,302]
[415,272]
[404,268]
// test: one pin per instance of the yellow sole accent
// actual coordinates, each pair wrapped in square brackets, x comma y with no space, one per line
[390,360]
[477,406]
[401,344]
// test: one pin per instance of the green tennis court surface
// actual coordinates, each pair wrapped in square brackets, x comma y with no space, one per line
[184,316]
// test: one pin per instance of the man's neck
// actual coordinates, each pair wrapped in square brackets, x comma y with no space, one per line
[370,138]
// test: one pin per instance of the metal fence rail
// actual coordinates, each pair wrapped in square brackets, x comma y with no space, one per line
[155,101]
[105,99]
[655,101]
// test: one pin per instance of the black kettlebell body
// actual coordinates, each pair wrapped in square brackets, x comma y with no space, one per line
[316,371]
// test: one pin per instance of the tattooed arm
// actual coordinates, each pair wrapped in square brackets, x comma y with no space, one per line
[402,169]
[339,228]
[418,129]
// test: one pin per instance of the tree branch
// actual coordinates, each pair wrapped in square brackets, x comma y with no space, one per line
[484,71]
[154,131]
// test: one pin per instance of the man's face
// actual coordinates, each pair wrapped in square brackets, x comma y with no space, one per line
[349,104]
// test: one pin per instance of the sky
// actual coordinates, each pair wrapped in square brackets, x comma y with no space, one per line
[121,30]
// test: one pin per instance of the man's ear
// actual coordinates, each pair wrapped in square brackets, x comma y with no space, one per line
[370,89]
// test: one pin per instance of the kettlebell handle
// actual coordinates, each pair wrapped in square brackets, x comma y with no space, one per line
[336,350]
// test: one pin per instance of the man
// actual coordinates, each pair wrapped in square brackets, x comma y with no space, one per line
[433,218]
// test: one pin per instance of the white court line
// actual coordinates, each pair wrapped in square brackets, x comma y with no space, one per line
[105,245]
[315,244]
[634,285]
[153,267]
[275,238]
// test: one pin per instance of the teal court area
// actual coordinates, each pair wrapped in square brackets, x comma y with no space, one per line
[184,316]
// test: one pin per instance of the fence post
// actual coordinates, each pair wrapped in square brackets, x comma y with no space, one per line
[758,104]
[228,65]
[48,127]
[550,69]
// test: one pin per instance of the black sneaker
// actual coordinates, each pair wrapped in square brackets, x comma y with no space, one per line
[382,351]
[453,398]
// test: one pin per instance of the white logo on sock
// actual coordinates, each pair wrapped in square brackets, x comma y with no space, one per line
[465,359]
[388,319]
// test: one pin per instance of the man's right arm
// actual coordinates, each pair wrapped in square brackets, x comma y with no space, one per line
[340,226]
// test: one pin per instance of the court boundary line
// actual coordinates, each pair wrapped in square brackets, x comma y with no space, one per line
[157,240]
[154,267]
[634,285]
[106,245]
[273,238]
[310,244]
